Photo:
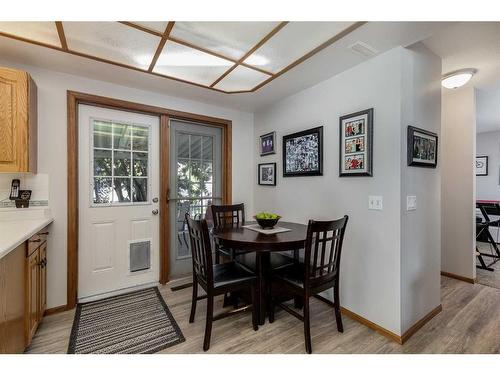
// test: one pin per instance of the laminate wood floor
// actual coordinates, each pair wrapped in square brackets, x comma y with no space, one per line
[485,277]
[469,323]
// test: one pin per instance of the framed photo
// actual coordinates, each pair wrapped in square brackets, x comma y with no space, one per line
[481,166]
[267,144]
[356,144]
[303,153]
[267,174]
[422,148]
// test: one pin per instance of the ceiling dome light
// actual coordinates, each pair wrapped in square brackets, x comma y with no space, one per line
[458,78]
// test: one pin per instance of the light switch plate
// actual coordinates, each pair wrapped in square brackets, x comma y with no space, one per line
[375,202]
[411,202]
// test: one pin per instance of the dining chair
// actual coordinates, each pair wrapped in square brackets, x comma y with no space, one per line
[227,216]
[215,280]
[319,271]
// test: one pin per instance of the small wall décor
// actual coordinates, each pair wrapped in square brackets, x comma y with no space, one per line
[267,174]
[481,166]
[356,144]
[303,153]
[267,144]
[422,147]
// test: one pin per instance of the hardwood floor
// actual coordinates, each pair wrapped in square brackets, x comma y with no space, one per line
[469,323]
[485,277]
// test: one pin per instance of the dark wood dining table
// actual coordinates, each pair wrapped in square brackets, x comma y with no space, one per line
[245,240]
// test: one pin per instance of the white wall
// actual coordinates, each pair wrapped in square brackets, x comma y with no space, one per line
[458,146]
[420,229]
[52,160]
[488,144]
[377,281]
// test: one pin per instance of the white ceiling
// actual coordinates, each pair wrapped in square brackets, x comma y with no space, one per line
[474,45]
[334,59]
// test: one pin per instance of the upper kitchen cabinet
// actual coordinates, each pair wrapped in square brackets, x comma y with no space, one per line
[18,121]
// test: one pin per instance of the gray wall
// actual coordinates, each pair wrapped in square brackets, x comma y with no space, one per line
[488,144]
[458,146]
[420,229]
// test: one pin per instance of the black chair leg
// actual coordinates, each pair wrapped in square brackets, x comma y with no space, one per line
[193,300]
[255,320]
[338,316]
[270,304]
[209,321]
[217,255]
[307,326]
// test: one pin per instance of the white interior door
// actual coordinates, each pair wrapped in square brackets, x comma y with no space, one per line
[118,178]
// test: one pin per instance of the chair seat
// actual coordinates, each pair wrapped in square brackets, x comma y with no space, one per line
[278,261]
[231,273]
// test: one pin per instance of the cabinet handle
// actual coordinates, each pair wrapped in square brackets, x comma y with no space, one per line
[44,233]
[39,240]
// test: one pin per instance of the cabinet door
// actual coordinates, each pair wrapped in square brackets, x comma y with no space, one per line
[43,281]
[33,295]
[16,122]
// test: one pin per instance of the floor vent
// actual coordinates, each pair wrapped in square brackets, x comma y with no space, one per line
[140,255]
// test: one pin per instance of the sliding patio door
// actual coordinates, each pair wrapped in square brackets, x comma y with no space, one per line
[195,184]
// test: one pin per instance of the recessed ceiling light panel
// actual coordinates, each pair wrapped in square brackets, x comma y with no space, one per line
[457,78]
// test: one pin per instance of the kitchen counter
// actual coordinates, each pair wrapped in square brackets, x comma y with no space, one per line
[16,226]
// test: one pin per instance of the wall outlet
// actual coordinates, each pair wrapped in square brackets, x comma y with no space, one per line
[411,202]
[375,202]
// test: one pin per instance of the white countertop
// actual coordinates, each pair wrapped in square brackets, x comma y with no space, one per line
[16,226]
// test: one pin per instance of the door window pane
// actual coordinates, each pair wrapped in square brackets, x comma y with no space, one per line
[102,134]
[140,138]
[207,148]
[102,163]
[183,145]
[102,190]
[195,146]
[140,189]
[140,160]
[121,190]
[120,162]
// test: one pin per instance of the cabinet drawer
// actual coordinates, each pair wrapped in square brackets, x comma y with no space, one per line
[36,240]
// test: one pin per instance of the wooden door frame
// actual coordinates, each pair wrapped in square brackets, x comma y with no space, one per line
[76,98]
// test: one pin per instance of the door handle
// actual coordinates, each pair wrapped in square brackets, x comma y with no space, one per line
[155,212]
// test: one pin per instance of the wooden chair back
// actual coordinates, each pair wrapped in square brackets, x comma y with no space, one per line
[323,249]
[228,216]
[201,249]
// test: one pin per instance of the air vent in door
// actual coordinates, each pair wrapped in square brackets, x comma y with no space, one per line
[140,255]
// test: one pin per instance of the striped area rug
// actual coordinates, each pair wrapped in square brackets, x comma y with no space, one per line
[132,323]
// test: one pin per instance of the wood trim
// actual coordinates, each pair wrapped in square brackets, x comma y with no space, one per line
[62,36]
[370,324]
[72,182]
[458,277]
[252,50]
[141,28]
[164,191]
[56,310]
[414,328]
[163,40]
[64,48]
[76,98]
[322,46]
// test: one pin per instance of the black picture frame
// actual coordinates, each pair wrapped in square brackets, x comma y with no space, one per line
[485,160]
[318,171]
[259,174]
[267,137]
[414,132]
[364,121]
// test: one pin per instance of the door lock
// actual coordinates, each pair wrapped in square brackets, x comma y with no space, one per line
[155,200]
[155,212]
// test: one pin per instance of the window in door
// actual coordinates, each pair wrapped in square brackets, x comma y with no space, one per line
[120,164]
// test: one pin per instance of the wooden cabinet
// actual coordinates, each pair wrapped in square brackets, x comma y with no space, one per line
[23,293]
[12,301]
[36,283]
[18,121]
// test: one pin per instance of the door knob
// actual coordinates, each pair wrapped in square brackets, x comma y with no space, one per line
[155,200]
[155,212]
